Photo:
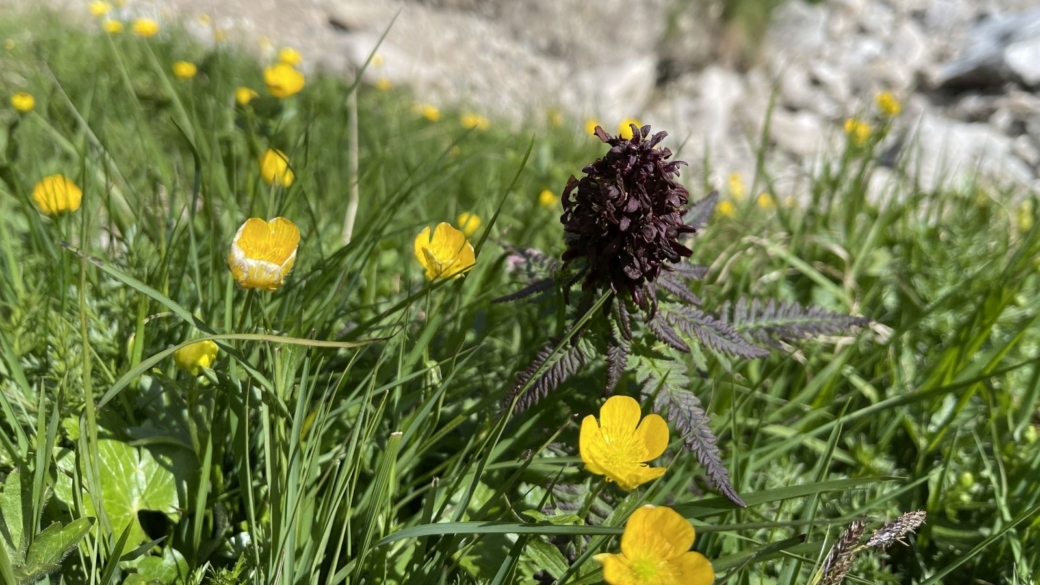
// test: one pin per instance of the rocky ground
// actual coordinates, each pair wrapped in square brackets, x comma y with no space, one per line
[967,71]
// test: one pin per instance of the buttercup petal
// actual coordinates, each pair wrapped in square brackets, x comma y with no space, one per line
[615,570]
[619,416]
[637,476]
[434,267]
[422,241]
[591,445]
[448,241]
[653,435]
[694,569]
[263,253]
[656,532]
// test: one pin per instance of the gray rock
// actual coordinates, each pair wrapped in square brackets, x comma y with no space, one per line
[800,133]
[1023,59]
[983,62]
[954,154]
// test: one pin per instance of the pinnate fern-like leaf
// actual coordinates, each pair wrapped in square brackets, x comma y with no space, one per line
[697,215]
[678,288]
[678,405]
[717,335]
[665,333]
[562,365]
[788,321]
[617,357]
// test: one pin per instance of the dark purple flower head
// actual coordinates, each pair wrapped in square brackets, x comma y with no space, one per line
[625,216]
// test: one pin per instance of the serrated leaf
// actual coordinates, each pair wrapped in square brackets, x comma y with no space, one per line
[715,334]
[787,320]
[52,545]
[662,331]
[697,215]
[678,288]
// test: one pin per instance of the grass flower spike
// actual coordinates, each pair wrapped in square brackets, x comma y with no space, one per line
[274,168]
[57,194]
[469,223]
[197,355]
[618,446]
[655,549]
[184,70]
[146,27]
[283,80]
[23,102]
[244,95]
[444,253]
[263,253]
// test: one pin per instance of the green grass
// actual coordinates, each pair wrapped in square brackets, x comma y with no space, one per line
[352,427]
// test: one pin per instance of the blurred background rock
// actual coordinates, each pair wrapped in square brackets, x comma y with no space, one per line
[711,72]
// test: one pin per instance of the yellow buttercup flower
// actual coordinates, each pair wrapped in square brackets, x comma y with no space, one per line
[468,223]
[244,95]
[112,26]
[274,168]
[145,27]
[9,44]
[184,70]
[56,194]
[195,356]
[99,7]
[726,208]
[428,111]
[765,201]
[289,56]
[263,253]
[857,130]
[219,35]
[475,121]
[547,198]
[23,102]
[625,127]
[283,80]
[618,446]
[888,104]
[655,549]
[204,19]
[377,60]
[444,253]
[383,84]
[590,125]
[736,186]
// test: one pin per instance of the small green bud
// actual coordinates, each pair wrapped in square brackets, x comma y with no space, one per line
[966,479]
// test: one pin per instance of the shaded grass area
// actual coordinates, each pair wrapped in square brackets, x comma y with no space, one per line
[387,457]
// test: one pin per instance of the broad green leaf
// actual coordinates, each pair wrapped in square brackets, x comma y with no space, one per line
[131,480]
[11,513]
[52,545]
[165,569]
